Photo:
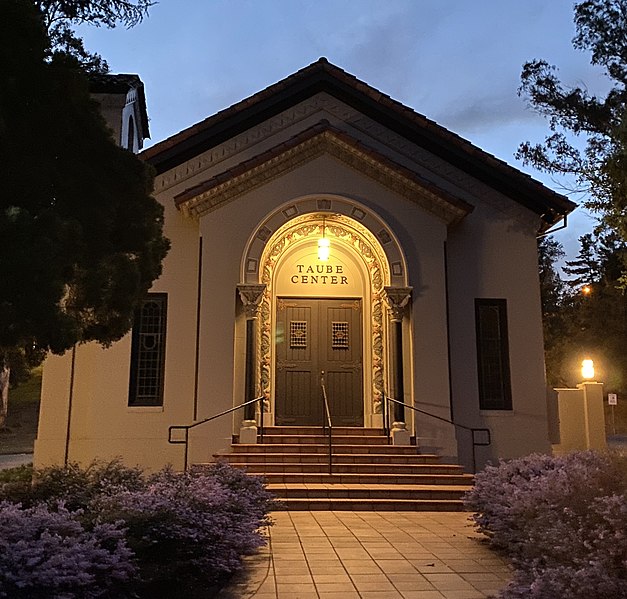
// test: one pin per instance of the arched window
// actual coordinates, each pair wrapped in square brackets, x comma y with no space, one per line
[130,134]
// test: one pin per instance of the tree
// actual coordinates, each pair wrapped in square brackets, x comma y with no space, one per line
[81,238]
[553,293]
[574,115]
[578,325]
[58,16]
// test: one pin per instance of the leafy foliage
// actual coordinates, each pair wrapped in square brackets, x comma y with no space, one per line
[183,532]
[592,324]
[600,168]
[59,16]
[50,555]
[562,520]
[82,237]
[189,527]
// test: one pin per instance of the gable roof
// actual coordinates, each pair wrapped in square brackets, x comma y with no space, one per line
[321,138]
[109,83]
[322,76]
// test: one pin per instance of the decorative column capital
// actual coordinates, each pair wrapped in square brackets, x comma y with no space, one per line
[251,295]
[397,298]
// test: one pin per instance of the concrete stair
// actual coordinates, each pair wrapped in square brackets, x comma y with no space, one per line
[368,474]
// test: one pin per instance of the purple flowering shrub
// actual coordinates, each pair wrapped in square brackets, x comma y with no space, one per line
[49,555]
[192,528]
[562,520]
[174,534]
[77,486]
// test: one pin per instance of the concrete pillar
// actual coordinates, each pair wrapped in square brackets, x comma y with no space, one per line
[594,416]
[581,418]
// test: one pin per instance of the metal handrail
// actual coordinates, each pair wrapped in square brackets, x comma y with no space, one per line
[187,427]
[328,424]
[475,443]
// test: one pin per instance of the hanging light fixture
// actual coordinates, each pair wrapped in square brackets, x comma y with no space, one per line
[324,245]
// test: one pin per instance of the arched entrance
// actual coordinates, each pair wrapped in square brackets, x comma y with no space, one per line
[320,314]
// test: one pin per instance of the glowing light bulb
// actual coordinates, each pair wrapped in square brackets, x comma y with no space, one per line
[587,369]
[324,249]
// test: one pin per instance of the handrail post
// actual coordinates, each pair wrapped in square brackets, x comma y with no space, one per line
[262,408]
[475,443]
[324,415]
[186,428]
[326,420]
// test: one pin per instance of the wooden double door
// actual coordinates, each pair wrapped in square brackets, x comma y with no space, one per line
[315,335]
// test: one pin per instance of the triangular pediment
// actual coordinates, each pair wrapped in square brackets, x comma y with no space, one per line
[309,144]
[323,77]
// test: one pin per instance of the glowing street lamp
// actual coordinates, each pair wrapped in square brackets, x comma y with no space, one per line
[586,290]
[587,369]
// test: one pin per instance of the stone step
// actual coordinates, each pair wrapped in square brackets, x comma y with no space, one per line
[323,448]
[367,478]
[368,473]
[317,430]
[321,439]
[378,505]
[323,458]
[372,491]
[339,468]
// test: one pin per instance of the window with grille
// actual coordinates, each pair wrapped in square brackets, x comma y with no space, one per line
[495,391]
[148,352]
[298,333]
[339,335]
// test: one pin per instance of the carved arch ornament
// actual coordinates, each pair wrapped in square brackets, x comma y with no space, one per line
[261,261]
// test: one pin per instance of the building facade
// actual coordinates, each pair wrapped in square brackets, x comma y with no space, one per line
[428,293]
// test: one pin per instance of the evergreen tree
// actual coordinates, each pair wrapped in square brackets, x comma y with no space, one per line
[591,324]
[81,238]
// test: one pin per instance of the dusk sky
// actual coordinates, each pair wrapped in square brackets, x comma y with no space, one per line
[458,62]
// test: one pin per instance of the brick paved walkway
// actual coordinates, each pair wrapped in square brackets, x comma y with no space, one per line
[371,555]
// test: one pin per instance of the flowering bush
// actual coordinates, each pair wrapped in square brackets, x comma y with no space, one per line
[181,533]
[77,487]
[563,521]
[49,555]
[190,529]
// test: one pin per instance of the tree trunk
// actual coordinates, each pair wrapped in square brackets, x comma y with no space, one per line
[5,371]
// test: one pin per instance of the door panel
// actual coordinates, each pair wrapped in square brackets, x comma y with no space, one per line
[314,336]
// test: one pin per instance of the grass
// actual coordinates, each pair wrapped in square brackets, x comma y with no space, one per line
[20,430]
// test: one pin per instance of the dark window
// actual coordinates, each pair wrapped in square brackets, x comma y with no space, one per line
[130,135]
[495,391]
[148,351]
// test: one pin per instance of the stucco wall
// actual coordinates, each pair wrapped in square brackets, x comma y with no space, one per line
[490,256]
[102,425]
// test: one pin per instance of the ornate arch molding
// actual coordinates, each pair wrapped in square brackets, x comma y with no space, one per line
[350,225]
[333,205]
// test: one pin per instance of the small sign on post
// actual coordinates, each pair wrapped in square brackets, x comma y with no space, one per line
[612,400]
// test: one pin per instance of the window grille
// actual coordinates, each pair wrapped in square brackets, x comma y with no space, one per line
[298,333]
[339,335]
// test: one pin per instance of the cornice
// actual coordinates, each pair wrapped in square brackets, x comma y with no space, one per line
[320,103]
[321,139]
